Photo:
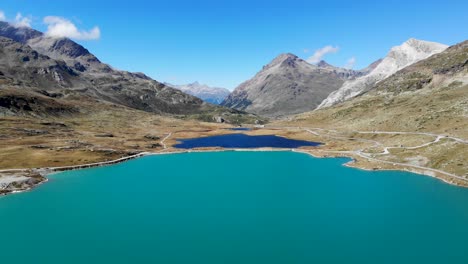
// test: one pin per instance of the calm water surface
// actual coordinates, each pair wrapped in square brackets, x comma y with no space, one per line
[243,141]
[240,128]
[235,207]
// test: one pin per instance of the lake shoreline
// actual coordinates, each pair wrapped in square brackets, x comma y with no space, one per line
[44,172]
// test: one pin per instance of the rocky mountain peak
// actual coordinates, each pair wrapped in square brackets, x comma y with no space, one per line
[324,64]
[285,56]
[57,48]
[422,44]
[347,74]
[284,60]
[414,49]
[68,47]
[19,34]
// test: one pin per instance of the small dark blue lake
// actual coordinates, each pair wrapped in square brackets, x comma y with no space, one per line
[240,128]
[243,141]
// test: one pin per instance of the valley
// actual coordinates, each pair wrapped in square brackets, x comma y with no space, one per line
[61,107]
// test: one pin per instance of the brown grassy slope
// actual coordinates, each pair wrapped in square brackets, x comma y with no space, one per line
[442,111]
[40,131]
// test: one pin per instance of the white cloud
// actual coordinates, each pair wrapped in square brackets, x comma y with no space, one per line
[306,50]
[2,16]
[350,63]
[318,55]
[61,27]
[21,21]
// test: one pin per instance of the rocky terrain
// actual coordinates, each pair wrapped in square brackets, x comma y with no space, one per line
[398,58]
[213,95]
[19,181]
[288,85]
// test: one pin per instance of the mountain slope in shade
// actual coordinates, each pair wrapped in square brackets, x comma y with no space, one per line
[288,85]
[213,95]
[398,58]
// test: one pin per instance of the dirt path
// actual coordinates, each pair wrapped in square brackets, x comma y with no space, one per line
[460,140]
[386,151]
[164,139]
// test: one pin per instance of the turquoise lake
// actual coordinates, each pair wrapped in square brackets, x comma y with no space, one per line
[235,207]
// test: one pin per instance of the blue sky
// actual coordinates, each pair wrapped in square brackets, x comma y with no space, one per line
[223,43]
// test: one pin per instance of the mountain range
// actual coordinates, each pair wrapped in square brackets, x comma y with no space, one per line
[289,85]
[213,95]
[60,69]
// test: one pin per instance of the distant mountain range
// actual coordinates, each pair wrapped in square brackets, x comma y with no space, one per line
[213,95]
[289,85]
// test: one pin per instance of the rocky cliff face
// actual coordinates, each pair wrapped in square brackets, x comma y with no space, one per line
[288,85]
[398,58]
